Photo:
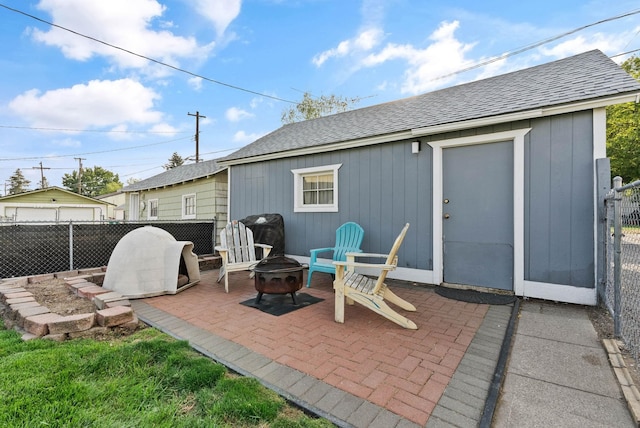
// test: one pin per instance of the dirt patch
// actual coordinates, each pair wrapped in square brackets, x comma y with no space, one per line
[603,324]
[58,298]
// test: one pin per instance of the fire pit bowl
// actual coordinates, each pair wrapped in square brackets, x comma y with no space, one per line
[278,275]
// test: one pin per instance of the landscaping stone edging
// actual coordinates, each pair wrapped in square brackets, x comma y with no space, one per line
[113,311]
[22,312]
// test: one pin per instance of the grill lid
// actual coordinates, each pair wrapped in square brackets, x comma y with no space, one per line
[278,264]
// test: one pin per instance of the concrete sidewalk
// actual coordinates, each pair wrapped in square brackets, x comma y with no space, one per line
[558,374]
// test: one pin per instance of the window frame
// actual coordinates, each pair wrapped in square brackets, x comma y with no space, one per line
[186,215]
[298,188]
[150,204]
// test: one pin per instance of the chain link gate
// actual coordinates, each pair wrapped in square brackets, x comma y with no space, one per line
[36,248]
[621,291]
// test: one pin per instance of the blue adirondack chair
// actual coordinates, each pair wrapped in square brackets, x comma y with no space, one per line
[348,240]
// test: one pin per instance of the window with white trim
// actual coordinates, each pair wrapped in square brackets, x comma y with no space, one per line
[316,189]
[153,209]
[189,206]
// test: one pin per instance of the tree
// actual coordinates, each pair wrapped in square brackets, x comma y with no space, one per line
[174,161]
[311,108]
[93,181]
[18,183]
[623,132]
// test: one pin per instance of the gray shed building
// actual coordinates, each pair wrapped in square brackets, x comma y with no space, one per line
[498,178]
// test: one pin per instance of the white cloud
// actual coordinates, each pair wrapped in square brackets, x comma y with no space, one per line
[363,42]
[220,12]
[612,43]
[244,138]
[105,20]
[164,128]
[445,54]
[98,103]
[67,142]
[256,101]
[195,83]
[235,114]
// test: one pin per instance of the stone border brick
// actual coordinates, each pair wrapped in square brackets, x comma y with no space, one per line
[71,323]
[115,316]
[39,278]
[77,285]
[101,300]
[38,324]
[629,389]
[18,306]
[37,321]
[19,300]
[67,274]
[24,313]
[91,291]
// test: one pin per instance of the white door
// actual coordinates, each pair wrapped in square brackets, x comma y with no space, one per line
[134,207]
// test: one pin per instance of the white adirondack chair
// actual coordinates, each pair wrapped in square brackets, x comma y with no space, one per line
[370,292]
[237,250]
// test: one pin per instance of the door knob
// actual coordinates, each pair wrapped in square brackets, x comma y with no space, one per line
[446,201]
[447,215]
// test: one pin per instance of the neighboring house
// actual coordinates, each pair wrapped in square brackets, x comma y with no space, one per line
[186,192]
[52,204]
[497,177]
[117,200]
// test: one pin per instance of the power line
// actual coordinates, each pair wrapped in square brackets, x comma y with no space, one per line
[89,130]
[93,153]
[624,53]
[146,57]
[535,45]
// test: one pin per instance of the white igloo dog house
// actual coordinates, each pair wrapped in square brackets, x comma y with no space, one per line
[148,261]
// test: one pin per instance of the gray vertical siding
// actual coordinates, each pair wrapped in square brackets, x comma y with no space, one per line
[381,187]
[384,186]
[559,200]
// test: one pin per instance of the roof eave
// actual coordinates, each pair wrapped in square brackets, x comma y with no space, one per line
[443,128]
[162,186]
[368,141]
[524,115]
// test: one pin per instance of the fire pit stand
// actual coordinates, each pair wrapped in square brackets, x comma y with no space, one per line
[278,275]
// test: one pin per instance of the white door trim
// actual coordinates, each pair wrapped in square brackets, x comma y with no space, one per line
[517,136]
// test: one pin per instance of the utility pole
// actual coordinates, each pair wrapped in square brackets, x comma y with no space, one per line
[198,116]
[43,183]
[80,174]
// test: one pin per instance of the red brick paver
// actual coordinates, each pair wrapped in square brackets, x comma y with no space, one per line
[405,371]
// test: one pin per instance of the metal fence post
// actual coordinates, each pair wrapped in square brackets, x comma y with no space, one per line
[214,233]
[70,245]
[617,250]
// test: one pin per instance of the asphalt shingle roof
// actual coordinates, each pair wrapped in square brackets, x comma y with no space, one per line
[582,77]
[176,175]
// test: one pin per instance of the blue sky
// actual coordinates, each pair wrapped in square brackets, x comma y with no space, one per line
[64,96]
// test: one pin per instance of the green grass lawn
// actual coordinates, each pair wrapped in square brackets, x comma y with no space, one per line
[144,380]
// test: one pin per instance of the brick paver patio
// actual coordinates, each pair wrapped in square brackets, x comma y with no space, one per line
[404,371]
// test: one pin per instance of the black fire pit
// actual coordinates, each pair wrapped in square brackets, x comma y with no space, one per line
[278,275]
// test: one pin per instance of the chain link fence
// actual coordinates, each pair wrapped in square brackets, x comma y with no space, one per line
[621,291]
[35,248]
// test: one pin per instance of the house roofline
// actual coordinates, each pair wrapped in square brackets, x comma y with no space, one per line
[439,129]
[524,115]
[46,189]
[164,186]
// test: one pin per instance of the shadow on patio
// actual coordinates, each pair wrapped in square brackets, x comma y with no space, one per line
[402,371]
